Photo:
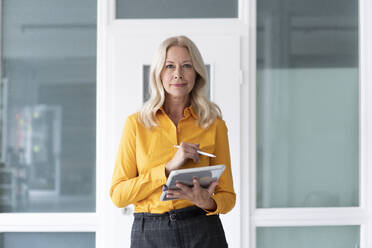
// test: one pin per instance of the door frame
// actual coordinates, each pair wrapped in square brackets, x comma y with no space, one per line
[234,26]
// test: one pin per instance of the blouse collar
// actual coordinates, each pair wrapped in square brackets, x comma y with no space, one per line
[186,112]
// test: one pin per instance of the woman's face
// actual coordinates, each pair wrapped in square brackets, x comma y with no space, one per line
[178,74]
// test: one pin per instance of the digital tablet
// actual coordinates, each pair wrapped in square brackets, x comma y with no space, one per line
[206,175]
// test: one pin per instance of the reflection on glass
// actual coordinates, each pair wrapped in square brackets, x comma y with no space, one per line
[48,111]
[307,103]
[308,237]
[146,81]
[142,9]
[44,240]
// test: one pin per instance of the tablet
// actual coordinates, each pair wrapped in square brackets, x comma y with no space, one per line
[206,175]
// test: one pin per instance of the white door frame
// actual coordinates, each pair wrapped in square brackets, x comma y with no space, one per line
[237,26]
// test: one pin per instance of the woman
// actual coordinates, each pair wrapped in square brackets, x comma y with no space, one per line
[176,113]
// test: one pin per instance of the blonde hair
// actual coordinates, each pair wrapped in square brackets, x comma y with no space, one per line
[206,110]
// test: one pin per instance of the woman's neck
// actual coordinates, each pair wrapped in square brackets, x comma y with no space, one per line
[174,107]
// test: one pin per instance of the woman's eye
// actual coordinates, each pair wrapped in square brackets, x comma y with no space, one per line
[187,65]
[169,66]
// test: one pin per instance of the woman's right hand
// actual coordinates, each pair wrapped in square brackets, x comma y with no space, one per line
[186,151]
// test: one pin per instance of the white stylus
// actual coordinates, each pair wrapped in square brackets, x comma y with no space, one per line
[200,152]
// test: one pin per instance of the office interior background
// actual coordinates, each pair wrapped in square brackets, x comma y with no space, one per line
[293,80]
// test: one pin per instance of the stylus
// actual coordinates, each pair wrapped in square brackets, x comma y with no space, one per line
[200,152]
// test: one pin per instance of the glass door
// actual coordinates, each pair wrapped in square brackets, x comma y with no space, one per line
[307,152]
[307,104]
[48,123]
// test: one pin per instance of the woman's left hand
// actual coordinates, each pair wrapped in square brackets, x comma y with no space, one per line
[201,197]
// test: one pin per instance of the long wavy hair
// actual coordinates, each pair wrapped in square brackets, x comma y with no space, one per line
[206,110]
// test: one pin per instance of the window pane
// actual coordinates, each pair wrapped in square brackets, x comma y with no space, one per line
[146,89]
[176,9]
[44,240]
[307,103]
[49,106]
[308,237]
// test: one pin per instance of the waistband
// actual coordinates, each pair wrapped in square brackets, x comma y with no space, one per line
[177,214]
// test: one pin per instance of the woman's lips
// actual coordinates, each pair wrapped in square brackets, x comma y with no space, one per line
[178,85]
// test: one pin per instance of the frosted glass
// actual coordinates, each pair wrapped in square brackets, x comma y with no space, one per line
[142,9]
[307,104]
[47,240]
[48,106]
[308,237]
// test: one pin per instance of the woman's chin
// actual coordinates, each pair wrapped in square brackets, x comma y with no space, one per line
[178,93]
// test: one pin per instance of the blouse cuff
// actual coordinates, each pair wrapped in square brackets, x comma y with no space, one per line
[217,211]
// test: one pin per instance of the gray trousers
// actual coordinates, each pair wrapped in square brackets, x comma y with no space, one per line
[181,228]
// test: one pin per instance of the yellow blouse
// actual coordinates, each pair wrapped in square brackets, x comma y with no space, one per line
[139,172]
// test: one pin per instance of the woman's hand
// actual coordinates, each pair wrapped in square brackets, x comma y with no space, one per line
[186,151]
[201,197]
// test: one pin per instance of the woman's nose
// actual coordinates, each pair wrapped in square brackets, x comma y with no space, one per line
[178,73]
